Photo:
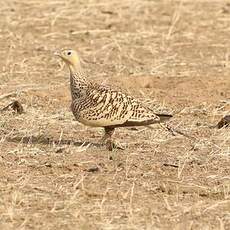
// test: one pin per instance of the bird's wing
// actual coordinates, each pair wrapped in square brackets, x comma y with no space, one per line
[109,107]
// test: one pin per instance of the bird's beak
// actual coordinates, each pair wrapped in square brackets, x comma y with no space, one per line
[57,53]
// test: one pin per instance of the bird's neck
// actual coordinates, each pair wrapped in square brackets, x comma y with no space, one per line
[78,81]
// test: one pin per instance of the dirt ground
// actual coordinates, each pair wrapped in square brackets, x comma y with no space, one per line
[174,56]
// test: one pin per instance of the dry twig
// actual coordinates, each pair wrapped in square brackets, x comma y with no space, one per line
[173,131]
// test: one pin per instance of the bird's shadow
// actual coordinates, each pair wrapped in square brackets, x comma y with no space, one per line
[43,140]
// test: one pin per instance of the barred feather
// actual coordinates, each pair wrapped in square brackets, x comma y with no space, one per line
[96,105]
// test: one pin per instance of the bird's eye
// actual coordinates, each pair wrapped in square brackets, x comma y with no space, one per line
[69,53]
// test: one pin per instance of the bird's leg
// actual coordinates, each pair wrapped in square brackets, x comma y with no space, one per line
[108,133]
[107,138]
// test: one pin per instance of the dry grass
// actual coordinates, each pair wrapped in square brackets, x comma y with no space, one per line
[174,55]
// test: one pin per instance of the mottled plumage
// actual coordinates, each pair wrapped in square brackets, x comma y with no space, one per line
[100,106]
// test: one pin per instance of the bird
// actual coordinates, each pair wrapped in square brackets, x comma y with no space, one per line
[97,105]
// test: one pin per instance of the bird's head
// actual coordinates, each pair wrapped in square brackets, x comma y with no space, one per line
[70,57]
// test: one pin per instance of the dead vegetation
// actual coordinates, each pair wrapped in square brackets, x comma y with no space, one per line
[172,54]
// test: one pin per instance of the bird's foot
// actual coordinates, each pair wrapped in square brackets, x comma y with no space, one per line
[110,145]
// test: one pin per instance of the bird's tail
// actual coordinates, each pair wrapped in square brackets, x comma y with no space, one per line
[164,117]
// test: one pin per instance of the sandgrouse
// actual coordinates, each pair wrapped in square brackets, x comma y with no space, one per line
[100,106]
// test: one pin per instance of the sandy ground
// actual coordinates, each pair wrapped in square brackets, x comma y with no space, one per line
[173,55]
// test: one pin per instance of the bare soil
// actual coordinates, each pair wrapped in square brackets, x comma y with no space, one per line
[174,56]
